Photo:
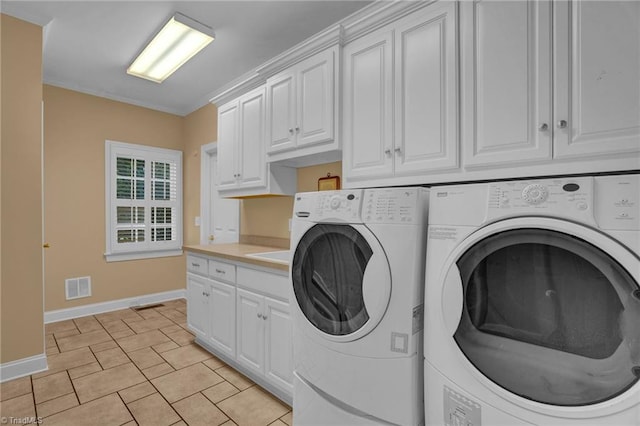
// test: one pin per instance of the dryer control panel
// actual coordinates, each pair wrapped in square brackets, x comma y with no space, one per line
[562,197]
[618,202]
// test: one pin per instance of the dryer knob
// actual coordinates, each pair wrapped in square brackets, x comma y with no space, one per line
[535,194]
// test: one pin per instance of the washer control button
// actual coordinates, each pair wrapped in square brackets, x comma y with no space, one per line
[535,193]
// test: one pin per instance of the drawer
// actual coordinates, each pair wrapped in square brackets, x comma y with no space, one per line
[222,271]
[268,284]
[197,265]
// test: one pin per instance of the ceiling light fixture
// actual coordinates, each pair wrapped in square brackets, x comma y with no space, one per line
[177,42]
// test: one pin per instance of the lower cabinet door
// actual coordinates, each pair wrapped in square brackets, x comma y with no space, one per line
[222,314]
[198,304]
[250,330]
[278,344]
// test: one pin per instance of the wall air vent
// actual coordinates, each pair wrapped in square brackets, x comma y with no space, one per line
[76,288]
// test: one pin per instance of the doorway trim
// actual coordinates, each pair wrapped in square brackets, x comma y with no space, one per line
[206,183]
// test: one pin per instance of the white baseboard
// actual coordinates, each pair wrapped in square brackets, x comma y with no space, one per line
[23,367]
[113,305]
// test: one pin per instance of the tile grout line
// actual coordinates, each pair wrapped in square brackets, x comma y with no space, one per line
[127,407]
[160,315]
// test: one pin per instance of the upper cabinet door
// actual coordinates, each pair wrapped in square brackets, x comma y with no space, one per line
[368,107]
[281,121]
[506,91]
[227,144]
[426,91]
[252,170]
[315,118]
[597,64]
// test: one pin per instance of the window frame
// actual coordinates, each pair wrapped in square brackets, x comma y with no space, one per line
[148,249]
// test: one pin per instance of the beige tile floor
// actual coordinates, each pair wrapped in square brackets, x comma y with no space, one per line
[133,367]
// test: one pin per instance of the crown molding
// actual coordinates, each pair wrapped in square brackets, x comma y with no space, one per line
[356,25]
[323,40]
[377,15]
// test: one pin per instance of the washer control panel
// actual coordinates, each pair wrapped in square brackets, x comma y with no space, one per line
[340,205]
[394,205]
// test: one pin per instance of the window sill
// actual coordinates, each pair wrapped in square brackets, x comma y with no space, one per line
[119,257]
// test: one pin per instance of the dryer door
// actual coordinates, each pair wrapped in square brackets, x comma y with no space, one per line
[549,311]
[341,280]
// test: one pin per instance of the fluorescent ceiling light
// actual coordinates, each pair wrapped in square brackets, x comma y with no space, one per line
[177,42]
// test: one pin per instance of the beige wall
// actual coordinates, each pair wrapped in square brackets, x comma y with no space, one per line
[76,126]
[21,317]
[308,176]
[200,129]
[269,217]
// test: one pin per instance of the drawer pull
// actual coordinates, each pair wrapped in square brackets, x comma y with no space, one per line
[220,271]
[195,265]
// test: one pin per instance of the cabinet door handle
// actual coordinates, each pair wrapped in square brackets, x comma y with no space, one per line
[562,124]
[297,129]
[259,315]
[387,151]
[220,271]
[543,127]
[291,131]
[398,150]
[264,317]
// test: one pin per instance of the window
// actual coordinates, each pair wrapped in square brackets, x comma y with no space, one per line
[143,201]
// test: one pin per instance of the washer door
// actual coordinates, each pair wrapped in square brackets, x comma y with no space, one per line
[341,280]
[546,314]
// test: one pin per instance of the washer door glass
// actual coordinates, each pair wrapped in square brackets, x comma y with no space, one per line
[327,272]
[549,317]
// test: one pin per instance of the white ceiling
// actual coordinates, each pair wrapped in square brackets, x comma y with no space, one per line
[88,45]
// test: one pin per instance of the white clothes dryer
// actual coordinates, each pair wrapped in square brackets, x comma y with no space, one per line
[532,303]
[357,276]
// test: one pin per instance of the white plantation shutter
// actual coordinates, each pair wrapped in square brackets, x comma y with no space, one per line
[144,201]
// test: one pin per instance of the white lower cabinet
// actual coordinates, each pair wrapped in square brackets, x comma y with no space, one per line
[264,337]
[197,305]
[222,310]
[211,312]
[241,314]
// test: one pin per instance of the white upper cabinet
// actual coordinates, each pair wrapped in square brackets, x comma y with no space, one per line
[400,98]
[281,129]
[251,165]
[549,80]
[368,107]
[302,109]
[228,119]
[597,78]
[506,88]
[242,165]
[240,142]
[426,91]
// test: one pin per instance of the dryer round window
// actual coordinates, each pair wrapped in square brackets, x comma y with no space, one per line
[550,300]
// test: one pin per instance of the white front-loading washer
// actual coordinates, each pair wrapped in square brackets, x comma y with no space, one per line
[357,276]
[532,303]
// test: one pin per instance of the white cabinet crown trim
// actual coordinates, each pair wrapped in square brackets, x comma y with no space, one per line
[356,25]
